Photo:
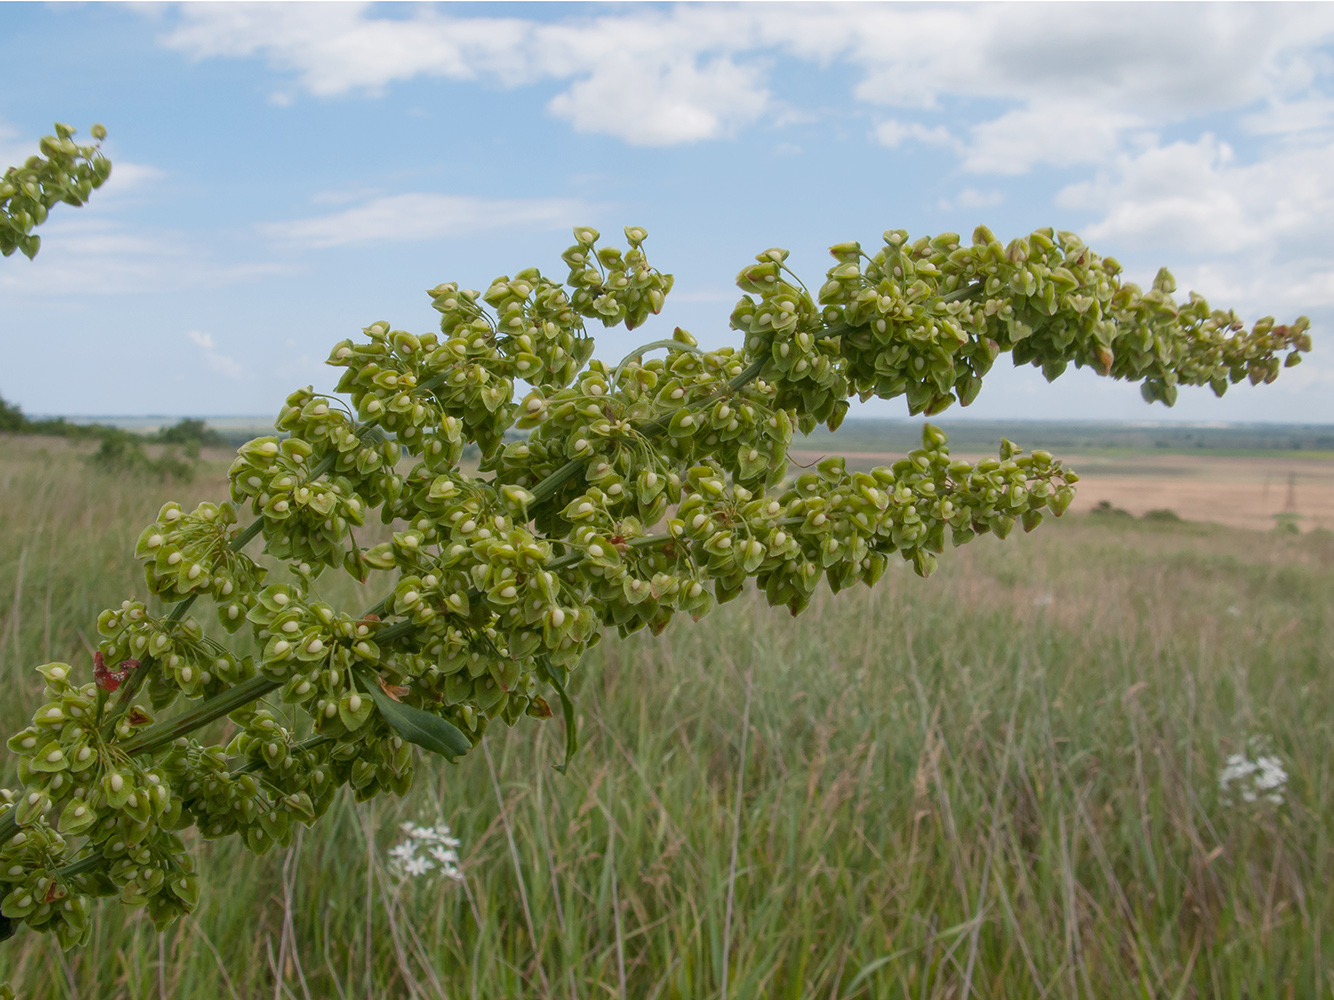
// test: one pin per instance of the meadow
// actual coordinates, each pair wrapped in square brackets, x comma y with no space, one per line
[999,782]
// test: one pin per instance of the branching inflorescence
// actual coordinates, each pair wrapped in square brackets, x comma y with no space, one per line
[642,489]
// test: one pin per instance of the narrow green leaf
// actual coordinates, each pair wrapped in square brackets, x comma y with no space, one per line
[416,726]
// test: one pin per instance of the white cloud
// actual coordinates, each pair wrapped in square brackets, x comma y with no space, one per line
[90,254]
[1005,88]
[1195,196]
[1305,115]
[219,363]
[14,149]
[664,102]
[344,196]
[1061,133]
[1077,78]
[894,133]
[648,78]
[1175,58]
[129,176]
[1258,231]
[424,216]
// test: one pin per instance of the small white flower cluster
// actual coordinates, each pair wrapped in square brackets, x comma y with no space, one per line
[425,849]
[1253,780]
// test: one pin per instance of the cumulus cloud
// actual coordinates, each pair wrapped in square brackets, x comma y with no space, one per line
[1003,88]
[1258,229]
[1076,78]
[1197,196]
[1177,59]
[424,216]
[1115,100]
[1061,133]
[643,77]
[1181,58]
[664,103]
[1286,118]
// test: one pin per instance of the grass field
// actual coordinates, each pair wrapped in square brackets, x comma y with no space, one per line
[999,782]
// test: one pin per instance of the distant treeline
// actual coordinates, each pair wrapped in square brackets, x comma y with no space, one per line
[869,434]
[120,450]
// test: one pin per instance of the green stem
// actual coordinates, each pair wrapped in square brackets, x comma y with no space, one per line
[157,736]
[80,867]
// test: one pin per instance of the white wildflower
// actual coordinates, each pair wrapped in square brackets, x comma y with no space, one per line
[1042,601]
[1261,778]
[423,850]
[416,866]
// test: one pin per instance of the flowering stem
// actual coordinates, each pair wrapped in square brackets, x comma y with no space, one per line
[157,736]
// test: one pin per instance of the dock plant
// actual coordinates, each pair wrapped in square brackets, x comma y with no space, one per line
[610,496]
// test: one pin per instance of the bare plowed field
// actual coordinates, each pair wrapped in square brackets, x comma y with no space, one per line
[1248,492]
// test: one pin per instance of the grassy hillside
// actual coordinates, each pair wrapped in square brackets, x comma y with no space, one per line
[999,782]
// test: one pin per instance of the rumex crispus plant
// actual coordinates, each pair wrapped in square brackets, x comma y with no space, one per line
[643,489]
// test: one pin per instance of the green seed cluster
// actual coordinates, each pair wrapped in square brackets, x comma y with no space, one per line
[645,489]
[188,663]
[612,286]
[634,429]
[926,319]
[124,808]
[185,554]
[64,171]
[260,787]
[307,518]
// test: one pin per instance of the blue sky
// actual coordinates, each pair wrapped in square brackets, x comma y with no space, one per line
[288,174]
